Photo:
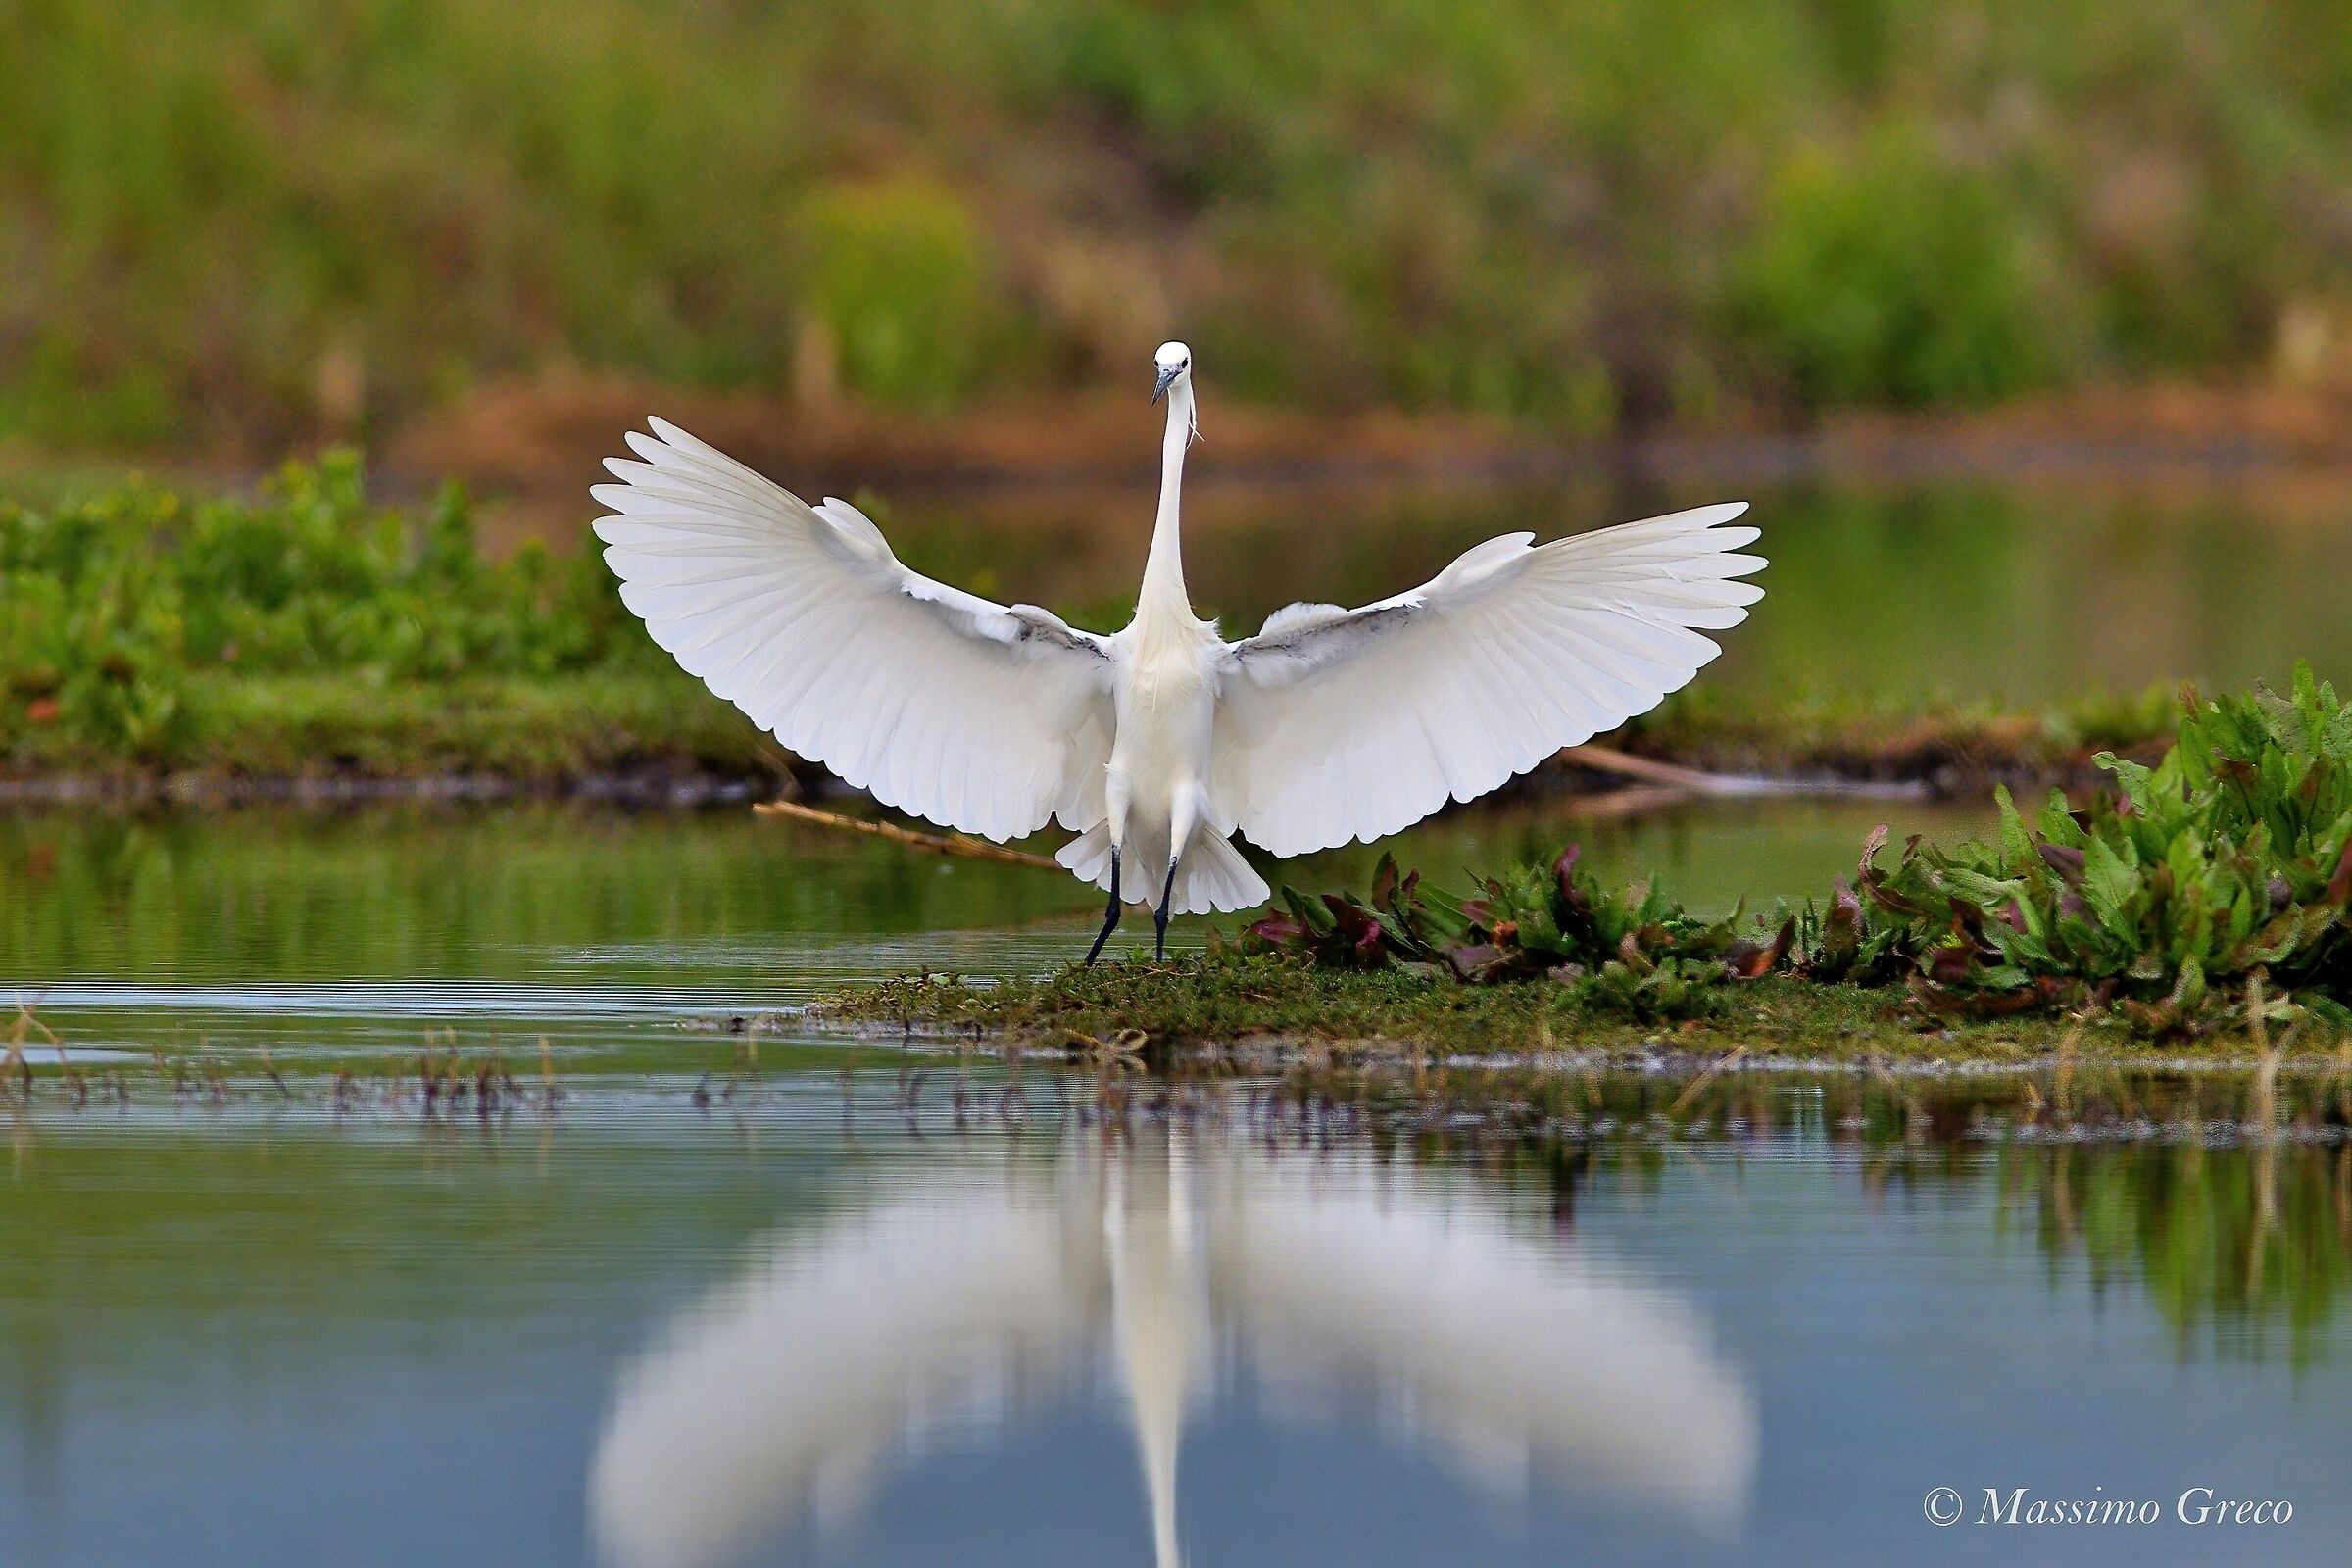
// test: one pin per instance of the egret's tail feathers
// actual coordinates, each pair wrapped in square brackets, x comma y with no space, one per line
[1212,877]
[1088,856]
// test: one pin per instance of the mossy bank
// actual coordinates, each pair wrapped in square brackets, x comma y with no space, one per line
[1276,1011]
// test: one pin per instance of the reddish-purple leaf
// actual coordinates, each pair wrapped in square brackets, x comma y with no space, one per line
[1279,929]
[1563,870]
[1752,959]
[2340,886]
[2063,858]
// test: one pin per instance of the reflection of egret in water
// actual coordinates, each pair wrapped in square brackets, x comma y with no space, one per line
[780,1397]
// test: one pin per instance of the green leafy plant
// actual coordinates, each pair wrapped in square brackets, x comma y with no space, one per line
[1633,950]
[899,279]
[2232,856]
[2172,896]
[110,607]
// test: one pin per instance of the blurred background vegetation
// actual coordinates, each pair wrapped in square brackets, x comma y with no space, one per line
[234,226]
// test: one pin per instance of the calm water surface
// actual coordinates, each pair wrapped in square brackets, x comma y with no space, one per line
[848,1306]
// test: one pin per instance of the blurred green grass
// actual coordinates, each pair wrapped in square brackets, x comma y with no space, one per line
[247,224]
[309,631]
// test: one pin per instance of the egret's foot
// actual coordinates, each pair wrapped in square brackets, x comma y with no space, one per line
[1110,916]
[1159,918]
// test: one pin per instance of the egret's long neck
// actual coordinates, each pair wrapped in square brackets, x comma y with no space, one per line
[1163,589]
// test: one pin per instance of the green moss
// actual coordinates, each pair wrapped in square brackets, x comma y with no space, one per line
[1279,1001]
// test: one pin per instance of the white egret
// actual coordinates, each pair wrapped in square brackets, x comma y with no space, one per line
[1157,743]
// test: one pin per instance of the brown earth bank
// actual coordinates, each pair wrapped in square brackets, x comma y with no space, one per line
[532,446]
[1635,772]
[536,444]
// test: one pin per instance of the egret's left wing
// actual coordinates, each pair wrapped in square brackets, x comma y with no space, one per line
[1336,724]
[1513,1358]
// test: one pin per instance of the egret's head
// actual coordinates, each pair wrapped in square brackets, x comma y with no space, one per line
[1175,363]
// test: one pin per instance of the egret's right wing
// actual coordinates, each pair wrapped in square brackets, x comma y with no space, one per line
[786,1390]
[1336,724]
[984,717]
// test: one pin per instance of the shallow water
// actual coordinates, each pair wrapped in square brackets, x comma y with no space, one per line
[810,1301]
[339,932]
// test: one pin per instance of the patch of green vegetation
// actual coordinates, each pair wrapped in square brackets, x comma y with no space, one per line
[1232,998]
[2231,858]
[254,221]
[899,279]
[1892,278]
[1227,999]
[310,631]
[2228,862]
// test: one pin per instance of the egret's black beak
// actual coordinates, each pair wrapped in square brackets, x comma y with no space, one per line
[1167,378]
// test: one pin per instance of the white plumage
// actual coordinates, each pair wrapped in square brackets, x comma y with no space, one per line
[1157,743]
[1348,1285]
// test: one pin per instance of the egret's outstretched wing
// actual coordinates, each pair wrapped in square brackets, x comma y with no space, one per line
[1337,724]
[985,719]
[783,1394]
[1511,1357]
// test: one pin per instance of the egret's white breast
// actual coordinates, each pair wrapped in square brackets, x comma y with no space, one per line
[1165,705]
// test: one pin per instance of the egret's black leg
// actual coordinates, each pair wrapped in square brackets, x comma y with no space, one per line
[1159,917]
[1110,916]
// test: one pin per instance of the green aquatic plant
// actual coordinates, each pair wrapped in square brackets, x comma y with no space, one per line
[1633,950]
[2231,856]
[2172,895]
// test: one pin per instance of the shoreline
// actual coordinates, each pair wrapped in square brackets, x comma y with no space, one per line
[1656,1057]
[532,446]
[681,785]
[534,443]
[1274,1017]
[665,743]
